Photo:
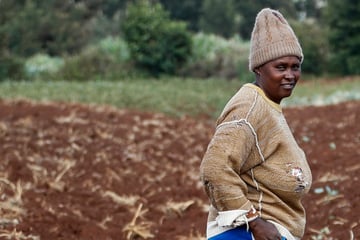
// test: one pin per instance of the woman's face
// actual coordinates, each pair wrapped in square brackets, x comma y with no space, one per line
[278,77]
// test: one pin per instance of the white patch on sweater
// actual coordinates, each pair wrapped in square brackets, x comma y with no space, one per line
[297,172]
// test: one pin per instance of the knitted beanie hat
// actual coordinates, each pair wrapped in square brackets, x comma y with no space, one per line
[271,38]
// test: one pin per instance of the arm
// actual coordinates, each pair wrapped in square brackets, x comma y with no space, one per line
[221,166]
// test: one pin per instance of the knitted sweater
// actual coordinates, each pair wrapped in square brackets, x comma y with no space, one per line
[253,160]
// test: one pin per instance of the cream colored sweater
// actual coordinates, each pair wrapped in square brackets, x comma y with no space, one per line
[253,160]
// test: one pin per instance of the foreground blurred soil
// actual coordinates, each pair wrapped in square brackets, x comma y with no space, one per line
[71,171]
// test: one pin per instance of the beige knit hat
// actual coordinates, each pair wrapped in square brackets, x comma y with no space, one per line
[271,38]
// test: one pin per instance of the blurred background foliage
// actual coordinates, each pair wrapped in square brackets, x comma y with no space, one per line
[125,39]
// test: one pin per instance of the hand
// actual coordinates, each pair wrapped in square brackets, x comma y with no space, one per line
[263,230]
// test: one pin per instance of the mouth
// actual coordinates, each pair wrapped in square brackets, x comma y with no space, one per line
[288,86]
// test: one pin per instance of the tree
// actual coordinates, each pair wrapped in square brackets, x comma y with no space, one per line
[249,8]
[111,7]
[53,26]
[156,43]
[344,22]
[315,48]
[309,9]
[185,10]
[219,17]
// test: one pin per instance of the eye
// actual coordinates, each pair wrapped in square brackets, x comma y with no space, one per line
[295,67]
[280,67]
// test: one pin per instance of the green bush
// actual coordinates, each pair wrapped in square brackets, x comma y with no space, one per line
[115,47]
[343,20]
[216,15]
[42,66]
[107,60]
[156,43]
[313,39]
[215,56]
[52,27]
[90,64]
[11,67]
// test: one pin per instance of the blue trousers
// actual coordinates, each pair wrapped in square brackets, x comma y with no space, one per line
[239,233]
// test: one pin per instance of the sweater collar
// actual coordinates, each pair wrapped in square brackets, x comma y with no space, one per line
[261,92]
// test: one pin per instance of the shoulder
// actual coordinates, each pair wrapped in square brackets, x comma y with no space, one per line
[239,105]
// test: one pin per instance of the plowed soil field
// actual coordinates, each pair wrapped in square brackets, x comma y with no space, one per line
[71,171]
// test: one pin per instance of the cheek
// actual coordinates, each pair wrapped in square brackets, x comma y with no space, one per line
[277,78]
[296,78]
[272,76]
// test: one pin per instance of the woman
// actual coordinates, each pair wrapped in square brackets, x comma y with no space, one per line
[253,171]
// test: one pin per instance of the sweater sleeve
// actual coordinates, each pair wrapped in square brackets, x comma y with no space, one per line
[221,166]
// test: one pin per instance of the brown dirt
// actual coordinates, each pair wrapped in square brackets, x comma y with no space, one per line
[71,171]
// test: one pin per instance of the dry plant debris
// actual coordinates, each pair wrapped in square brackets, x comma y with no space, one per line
[11,204]
[81,172]
[121,200]
[4,234]
[140,229]
[177,208]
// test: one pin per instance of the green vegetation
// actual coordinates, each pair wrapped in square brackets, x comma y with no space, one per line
[175,97]
[122,39]
[156,43]
[323,91]
[315,48]
[211,57]
[344,37]
[216,15]
[217,57]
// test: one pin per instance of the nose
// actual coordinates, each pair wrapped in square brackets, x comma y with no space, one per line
[289,74]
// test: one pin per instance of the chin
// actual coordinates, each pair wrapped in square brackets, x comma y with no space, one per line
[286,96]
